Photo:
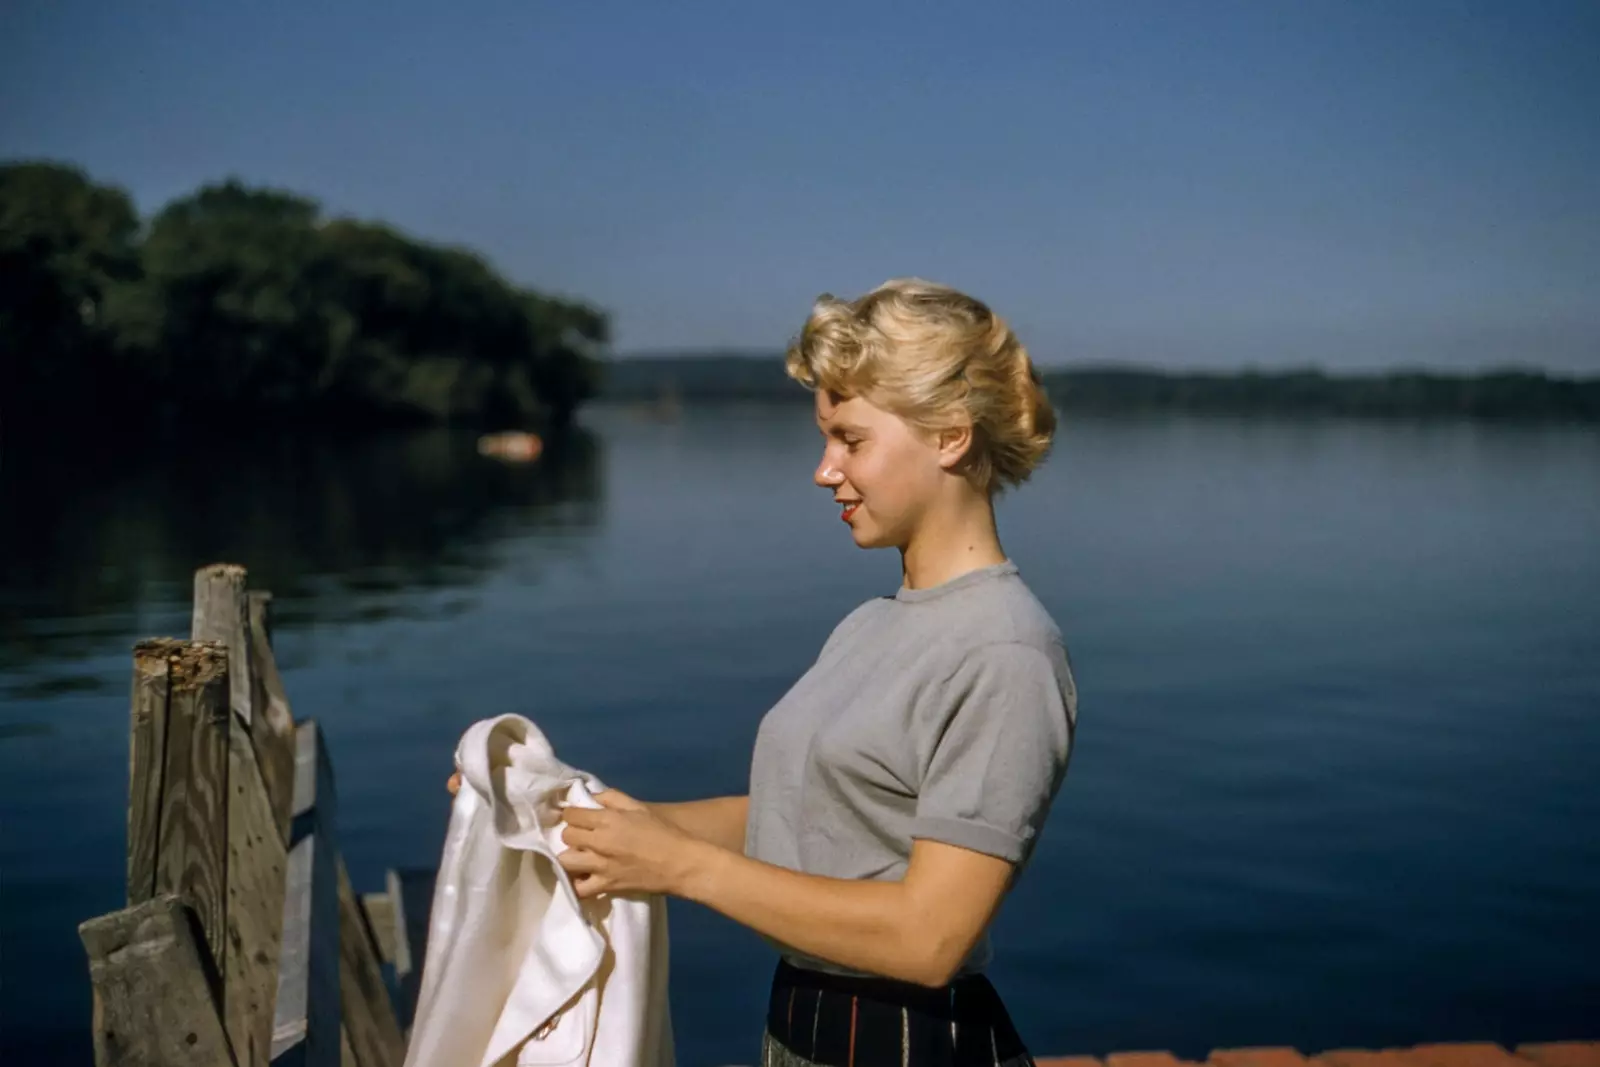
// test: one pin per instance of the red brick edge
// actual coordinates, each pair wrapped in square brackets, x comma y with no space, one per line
[1474,1054]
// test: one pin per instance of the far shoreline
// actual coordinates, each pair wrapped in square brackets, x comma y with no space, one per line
[1511,393]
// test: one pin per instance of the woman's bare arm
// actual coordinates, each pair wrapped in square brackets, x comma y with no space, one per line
[719,820]
[919,929]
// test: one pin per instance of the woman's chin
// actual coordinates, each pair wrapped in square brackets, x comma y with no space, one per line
[863,536]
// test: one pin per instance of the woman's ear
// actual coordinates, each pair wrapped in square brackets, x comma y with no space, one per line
[953,443]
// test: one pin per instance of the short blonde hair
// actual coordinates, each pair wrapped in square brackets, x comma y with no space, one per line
[937,358]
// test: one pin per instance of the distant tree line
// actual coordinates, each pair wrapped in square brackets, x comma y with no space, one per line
[1491,394]
[748,376]
[244,305]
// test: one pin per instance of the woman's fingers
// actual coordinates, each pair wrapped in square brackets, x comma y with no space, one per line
[583,818]
[586,871]
[587,886]
[577,837]
[580,861]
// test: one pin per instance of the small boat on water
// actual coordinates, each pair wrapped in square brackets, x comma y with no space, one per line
[516,446]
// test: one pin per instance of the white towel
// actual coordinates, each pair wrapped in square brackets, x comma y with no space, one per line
[518,970]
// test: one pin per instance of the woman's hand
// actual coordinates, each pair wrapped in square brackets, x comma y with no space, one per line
[454,784]
[625,848]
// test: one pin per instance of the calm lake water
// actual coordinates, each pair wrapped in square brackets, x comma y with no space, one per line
[1336,778]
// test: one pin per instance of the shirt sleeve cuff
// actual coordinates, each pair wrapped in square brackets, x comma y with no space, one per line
[970,835]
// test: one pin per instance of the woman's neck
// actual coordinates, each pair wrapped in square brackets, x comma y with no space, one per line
[948,546]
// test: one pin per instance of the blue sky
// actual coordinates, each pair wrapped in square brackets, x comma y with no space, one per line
[1347,183]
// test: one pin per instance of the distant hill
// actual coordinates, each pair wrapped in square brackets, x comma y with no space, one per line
[749,376]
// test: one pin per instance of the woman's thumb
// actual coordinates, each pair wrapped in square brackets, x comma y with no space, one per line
[617,800]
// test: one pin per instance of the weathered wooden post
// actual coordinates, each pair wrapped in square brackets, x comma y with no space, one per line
[154,966]
[244,943]
[179,844]
[147,747]
[261,770]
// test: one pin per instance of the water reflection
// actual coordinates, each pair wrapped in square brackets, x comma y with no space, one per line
[95,554]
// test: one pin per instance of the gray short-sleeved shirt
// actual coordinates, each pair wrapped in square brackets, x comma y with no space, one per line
[944,713]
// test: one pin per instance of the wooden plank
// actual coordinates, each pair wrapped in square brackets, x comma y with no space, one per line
[192,837]
[220,614]
[147,744]
[411,889]
[272,728]
[154,989]
[306,1024]
[379,910]
[257,852]
[224,611]
[257,861]
[368,1013]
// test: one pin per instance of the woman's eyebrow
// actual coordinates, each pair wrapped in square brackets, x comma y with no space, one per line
[841,427]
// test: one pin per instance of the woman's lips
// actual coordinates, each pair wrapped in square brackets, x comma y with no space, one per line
[849,510]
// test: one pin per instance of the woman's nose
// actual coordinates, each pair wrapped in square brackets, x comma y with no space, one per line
[827,474]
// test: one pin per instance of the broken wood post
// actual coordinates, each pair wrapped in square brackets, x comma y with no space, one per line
[155,991]
[244,941]
[225,612]
[147,747]
[306,1025]
[178,781]
[257,851]
[220,615]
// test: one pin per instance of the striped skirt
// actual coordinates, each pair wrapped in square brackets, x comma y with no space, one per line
[824,1020]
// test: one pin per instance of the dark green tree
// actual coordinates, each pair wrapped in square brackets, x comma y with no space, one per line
[243,304]
[228,315]
[66,244]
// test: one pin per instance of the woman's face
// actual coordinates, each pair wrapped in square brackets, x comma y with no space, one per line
[882,472]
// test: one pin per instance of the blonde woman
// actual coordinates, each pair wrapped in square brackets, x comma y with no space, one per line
[900,786]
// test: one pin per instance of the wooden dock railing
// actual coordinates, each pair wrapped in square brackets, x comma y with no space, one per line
[243,943]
